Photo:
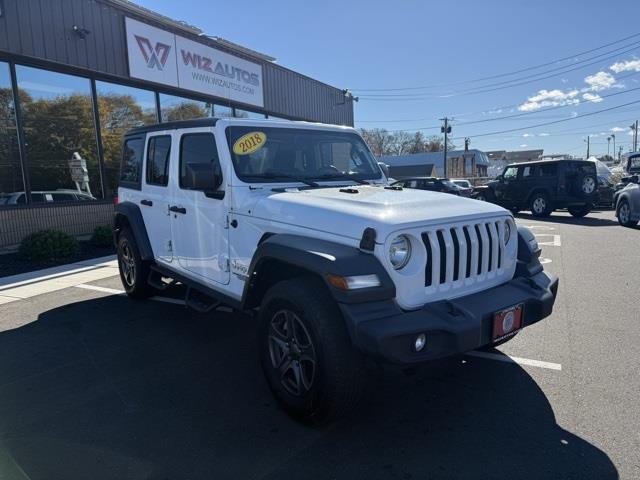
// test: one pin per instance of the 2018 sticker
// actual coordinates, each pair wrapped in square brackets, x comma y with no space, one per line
[249,143]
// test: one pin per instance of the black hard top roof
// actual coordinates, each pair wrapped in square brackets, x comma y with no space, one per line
[196,122]
[538,162]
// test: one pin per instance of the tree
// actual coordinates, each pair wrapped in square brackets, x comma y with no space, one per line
[184,111]
[383,142]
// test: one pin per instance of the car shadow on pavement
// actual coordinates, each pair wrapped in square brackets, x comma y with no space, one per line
[569,220]
[113,388]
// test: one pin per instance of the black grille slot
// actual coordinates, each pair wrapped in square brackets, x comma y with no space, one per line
[479,271]
[443,257]
[428,270]
[490,246]
[499,245]
[468,239]
[456,255]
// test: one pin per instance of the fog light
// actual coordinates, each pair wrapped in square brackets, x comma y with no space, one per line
[421,341]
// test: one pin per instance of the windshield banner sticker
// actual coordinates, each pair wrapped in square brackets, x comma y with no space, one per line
[249,143]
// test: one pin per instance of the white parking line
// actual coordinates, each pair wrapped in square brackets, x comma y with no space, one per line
[520,361]
[539,227]
[544,261]
[556,242]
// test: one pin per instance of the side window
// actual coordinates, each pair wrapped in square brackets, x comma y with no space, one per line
[529,171]
[158,151]
[198,153]
[131,161]
[510,173]
[548,170]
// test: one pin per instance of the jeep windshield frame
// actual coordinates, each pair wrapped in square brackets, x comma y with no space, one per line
[289,154]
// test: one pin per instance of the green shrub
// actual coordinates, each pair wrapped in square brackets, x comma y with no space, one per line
[102,236]
[48,245]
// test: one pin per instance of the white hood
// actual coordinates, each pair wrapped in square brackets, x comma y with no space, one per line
[348,214]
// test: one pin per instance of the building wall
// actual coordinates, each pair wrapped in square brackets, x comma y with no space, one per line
[43,30]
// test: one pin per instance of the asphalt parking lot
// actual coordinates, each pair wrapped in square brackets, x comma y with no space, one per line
[94,385]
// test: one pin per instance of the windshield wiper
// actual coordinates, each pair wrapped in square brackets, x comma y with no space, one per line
[282,175]
[341,176]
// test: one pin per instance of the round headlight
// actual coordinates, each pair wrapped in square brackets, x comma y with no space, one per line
[400,252]
[507,231]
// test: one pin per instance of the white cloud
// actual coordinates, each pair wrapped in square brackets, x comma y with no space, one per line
[600,81]
[592,97]
[544,134]
[574,114]
[626,66]
[550,98]
[618,129]
[526,135]
[524,145]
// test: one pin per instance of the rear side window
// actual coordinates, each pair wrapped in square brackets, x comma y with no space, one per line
[529,171]
[158,151]
[131,162]
[197,151]
[548,170]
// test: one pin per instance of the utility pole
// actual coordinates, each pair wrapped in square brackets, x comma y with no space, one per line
[609,145]
[587,147]
[613,135]
[634,127]
[446,129]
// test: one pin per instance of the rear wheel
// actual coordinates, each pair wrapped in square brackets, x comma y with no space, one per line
[306,354]
[540,205]
[624,215]
[580,211]
[134,272]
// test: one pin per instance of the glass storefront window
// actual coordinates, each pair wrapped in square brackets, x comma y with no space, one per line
[121,108]
[249,114]
[11,181]
[220,111]
[57,117]
[179,108]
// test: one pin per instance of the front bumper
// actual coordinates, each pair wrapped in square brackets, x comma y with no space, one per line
[455,326]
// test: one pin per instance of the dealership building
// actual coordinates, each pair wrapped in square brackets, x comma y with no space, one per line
[76,74]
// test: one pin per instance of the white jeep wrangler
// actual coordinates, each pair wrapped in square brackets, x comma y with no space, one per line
[296,222]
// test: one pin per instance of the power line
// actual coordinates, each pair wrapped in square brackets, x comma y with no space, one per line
[515,72]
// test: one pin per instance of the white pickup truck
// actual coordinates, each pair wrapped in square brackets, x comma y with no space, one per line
[295,222]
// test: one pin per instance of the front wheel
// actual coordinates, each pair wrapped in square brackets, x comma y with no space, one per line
[624,215]
[306,354]
[540,205]
[580,211]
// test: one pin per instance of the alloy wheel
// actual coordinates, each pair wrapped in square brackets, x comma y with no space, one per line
[623,214]
[292,352]
[588,185]
[127,264]
[539,205]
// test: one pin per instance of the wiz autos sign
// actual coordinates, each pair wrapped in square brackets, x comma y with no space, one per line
[162,57]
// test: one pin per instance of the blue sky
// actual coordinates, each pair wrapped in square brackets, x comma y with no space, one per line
[365,45]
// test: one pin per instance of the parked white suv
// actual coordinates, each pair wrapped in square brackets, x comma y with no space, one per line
[295,222]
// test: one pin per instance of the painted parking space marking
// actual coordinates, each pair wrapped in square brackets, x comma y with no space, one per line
[520,361]
[540,227]
[544,261]
[555,242]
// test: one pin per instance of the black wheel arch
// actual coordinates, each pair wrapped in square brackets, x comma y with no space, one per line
[128,215]
[283,256]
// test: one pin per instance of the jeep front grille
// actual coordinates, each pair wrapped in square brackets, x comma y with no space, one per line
[463,254]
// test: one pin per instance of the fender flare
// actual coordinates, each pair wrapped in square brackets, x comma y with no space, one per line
[319,257]
[129,213]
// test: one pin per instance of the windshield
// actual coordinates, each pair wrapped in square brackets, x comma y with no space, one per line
[272,154]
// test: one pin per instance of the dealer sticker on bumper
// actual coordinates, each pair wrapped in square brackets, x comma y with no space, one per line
[507,322]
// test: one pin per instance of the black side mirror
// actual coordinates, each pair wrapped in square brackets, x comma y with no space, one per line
[201,176]
[634,179]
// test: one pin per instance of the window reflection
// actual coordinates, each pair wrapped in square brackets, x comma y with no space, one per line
[248,114]
[58,124]
[11,181]
[179,108]
[121,108]
[221,111]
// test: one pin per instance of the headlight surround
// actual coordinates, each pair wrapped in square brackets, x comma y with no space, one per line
[400,251]
[507,231]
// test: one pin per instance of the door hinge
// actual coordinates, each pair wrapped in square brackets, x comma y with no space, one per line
[226,222]
[169,246]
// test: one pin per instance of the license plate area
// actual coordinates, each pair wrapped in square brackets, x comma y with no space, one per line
[507,322]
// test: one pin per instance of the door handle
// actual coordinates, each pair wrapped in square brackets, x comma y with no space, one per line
[148,203]
[177,209]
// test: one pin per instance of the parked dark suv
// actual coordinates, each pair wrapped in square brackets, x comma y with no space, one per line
[545,186]
[431,183]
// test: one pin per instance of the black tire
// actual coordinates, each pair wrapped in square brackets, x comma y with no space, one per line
[514,210]
[302,328]
[540,205]
[133,271]
[623,212]
[581,211]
